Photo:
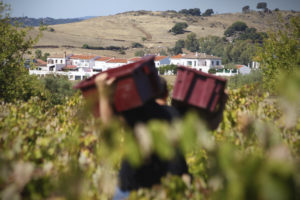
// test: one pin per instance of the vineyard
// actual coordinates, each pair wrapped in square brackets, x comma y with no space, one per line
[51,147]
[64,153]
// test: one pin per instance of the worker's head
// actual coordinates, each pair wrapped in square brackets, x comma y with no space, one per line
[161,99]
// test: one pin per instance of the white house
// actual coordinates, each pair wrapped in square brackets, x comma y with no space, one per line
[161,61]
[83,61]
[243,69]
[100,64]
[57,62]
[115,62]
[40,65]
[199,61]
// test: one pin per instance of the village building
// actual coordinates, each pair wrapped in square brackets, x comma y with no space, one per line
[57,62]
[161,61]
[40,64]
[199,61]
[243,69]
[83,61]
[100,64]
[115,62]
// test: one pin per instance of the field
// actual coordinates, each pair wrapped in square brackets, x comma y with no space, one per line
[125,28]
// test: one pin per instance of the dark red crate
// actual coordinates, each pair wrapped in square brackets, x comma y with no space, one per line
[136,83]
[198,89]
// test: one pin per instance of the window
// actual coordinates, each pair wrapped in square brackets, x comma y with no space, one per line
[61,61]
[77,77]
[218,63]
[204,63]
[55,61]
[212,62]
[189,63]
[194,63]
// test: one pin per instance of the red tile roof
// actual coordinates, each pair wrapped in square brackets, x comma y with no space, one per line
[177,56]
[83,57]
[117,60]
[135,59]
[158,58]
[41,62]
[103,58]
[239,66]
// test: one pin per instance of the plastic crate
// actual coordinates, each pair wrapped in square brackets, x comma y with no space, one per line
[198,89]
[136,83]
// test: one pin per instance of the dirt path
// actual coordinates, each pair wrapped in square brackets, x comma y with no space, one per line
[148,35]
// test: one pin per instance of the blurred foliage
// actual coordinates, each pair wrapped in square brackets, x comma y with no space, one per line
[62,152]
[240,80]
[57,89]
[167,70]
[15,82]
[280,54]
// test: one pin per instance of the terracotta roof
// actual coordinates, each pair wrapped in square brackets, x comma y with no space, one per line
[82,57]
[103,58]
[117,60]
[158,58]
[177,56]
[239,66]
[135,59]
[41,62]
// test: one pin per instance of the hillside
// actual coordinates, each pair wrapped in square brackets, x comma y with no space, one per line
[125,28]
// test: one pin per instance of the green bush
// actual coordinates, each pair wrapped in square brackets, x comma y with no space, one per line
[240,80]
[58,89]
[165,69]
[178,28]
[235,27]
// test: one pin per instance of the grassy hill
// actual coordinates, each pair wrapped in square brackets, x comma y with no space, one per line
[125,28]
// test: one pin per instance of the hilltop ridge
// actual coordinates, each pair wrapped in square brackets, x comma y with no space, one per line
[149,28]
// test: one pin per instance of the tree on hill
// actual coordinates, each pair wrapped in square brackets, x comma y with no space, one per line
[261,5]
[208,12]
[246,9]
[178,28]
[191,42]
[192,11]
[235,27]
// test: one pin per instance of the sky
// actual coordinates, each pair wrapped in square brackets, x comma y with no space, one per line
[73,9]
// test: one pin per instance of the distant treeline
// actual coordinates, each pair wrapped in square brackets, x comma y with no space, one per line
[26,21]
[111,48]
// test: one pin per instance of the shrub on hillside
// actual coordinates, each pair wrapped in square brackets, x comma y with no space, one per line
[178,28]
[235,27]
